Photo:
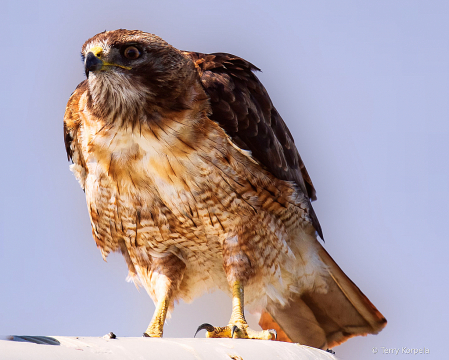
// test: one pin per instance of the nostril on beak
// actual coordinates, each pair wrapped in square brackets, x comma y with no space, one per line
[97,51]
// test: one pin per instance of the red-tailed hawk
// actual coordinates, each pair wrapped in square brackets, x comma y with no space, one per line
[190,172]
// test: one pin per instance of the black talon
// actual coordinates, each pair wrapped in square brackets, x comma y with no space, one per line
[205,326]
[145,335]
[273,332]
[234,328]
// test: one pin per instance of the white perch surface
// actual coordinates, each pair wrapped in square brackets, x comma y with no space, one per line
[67,348]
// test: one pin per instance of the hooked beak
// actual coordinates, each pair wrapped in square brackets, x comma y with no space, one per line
[92,63]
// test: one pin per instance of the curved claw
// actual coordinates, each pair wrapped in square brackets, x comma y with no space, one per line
[205,326]
[273,332]
[234,328]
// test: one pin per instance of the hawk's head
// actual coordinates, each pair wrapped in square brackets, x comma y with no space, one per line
[130,72]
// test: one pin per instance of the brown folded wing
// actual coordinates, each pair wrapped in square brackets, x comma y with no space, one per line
[241,106]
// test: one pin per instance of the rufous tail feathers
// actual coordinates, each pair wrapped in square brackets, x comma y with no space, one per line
[326,320]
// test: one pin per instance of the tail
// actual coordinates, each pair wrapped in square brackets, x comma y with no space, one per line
[326,320]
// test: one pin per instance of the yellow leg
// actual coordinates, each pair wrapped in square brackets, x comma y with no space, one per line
[162,279]
[237,327]
[155,329]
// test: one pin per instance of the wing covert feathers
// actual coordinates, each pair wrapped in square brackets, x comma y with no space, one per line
[72,129]
[326,320]
[242,107]
[72,121]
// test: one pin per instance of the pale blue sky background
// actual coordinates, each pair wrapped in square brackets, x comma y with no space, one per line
[364,88]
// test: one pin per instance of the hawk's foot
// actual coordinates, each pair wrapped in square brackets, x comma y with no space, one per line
[154,330]
[146,334]
[240,330]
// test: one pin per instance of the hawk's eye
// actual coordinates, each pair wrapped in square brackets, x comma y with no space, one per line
[132,53]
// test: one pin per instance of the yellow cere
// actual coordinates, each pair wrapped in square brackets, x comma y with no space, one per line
[96,50]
